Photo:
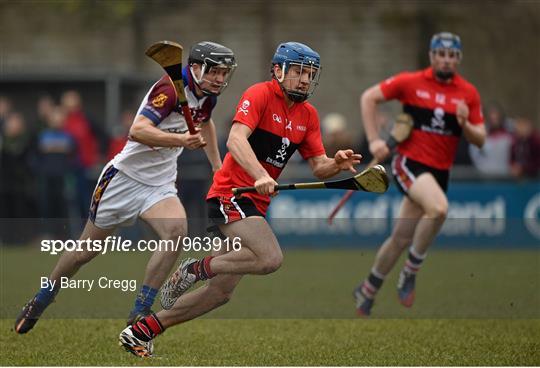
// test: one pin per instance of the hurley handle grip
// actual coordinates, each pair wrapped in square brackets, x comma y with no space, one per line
[242,190]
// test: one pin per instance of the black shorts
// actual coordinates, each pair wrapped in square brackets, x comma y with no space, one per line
[406,171]
[224,210]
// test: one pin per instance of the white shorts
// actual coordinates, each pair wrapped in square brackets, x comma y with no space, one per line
[118,199]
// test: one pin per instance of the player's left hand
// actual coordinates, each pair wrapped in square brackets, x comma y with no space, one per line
[346,159]
[462,113]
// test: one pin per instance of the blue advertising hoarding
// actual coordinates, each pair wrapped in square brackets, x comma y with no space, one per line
[503,215]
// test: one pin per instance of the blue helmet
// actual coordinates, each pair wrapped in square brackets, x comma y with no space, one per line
[296,53]
[445,40]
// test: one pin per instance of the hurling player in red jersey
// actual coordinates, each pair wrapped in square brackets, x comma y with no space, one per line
[272,121]
[444,106]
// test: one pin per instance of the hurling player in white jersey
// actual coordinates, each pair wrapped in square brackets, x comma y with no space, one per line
[140,180]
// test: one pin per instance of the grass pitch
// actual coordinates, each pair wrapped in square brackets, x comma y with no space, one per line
[284,342]
[473,308]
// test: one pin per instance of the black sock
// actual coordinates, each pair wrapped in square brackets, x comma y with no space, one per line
[413,262]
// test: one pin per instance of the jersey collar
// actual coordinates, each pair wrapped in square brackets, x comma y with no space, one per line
[429,74]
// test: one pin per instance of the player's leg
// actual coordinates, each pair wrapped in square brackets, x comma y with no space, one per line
[387,256]
[427,193]
[68,264]
[258,253]
[167,217]
[138,337]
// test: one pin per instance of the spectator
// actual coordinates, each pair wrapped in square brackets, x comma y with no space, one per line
[120,134]
[45,107]
[55,152]
[525,156]
[15,175]
[5,109]
[78,126]
[494,157]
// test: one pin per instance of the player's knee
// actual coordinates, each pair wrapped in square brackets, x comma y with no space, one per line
[438,210]
[271,264]
[175,230]
[82,258]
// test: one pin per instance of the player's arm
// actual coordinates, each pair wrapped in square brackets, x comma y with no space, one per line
[324,167]
[241,151]
[474,134]
[144,131]
[368,106]
[470,119]
[208,132]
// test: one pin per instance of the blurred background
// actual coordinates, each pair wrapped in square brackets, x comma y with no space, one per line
[72,74]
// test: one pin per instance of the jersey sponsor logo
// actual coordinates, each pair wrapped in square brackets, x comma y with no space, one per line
[301,128]
[437,122]
[289,125]
[272,148]
[282,152]
[457,101]
[277,118]
[440,98]
[159,100]
[244,108]
[423,94]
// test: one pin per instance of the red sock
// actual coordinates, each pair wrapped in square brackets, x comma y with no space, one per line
[206,267]
[201,269]
[147,328]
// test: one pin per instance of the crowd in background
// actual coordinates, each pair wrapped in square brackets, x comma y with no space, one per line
[511,149]
[49,166]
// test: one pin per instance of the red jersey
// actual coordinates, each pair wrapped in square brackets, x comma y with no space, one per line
[277,132]
[432,105]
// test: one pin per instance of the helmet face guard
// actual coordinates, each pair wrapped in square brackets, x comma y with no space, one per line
[295,60]
[213,58]
[299,69]
[209,67]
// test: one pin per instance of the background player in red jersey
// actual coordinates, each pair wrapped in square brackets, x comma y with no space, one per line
[443,106]
[272,121]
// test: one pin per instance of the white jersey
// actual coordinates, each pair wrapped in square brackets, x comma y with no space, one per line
[156,166]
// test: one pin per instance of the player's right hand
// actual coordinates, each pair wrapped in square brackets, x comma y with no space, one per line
[265,185]
[192,141]
[379,149]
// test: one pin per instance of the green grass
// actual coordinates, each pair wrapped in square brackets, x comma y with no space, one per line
[472,308]
[284,342]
